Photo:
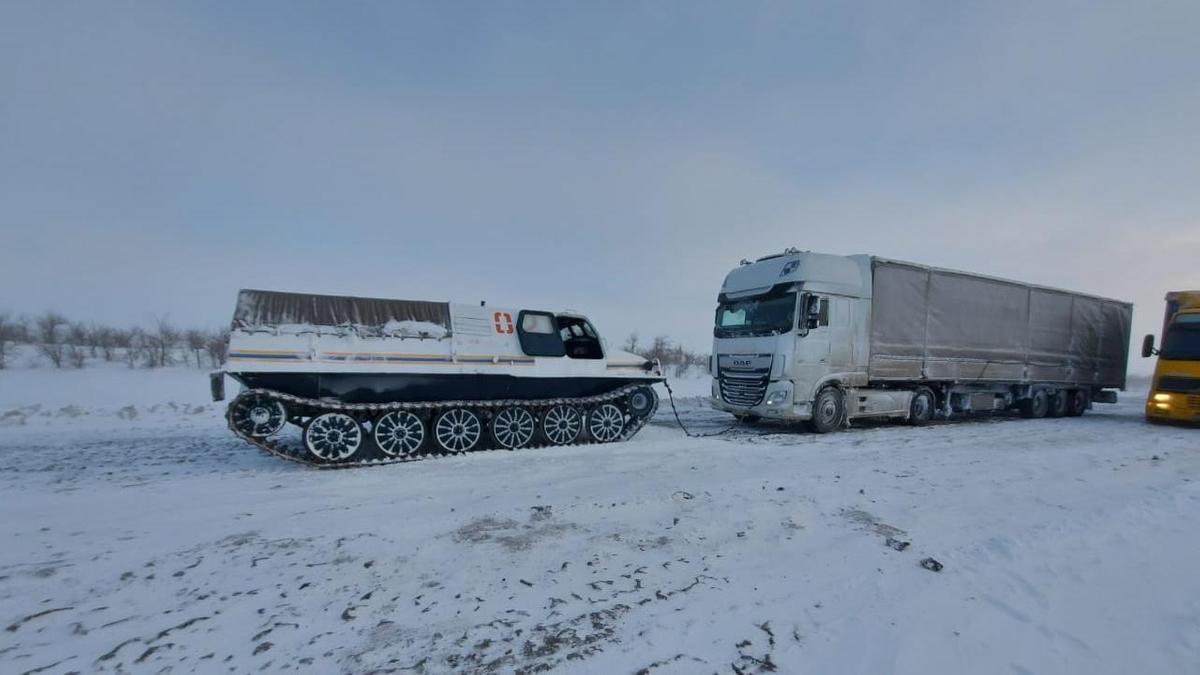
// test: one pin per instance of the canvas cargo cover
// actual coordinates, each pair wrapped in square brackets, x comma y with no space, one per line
[934,324]
[256,309]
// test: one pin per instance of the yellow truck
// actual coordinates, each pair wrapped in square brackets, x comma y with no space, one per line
[1175,391]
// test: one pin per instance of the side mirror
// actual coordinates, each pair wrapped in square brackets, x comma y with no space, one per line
[1148,347]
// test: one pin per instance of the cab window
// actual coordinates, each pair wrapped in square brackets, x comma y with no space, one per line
[579,338]
[816,312]
[539,334]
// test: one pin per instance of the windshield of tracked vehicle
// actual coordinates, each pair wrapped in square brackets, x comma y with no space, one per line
[1182,341]
[762,315]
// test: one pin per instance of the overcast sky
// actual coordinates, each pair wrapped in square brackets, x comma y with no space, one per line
[613,158]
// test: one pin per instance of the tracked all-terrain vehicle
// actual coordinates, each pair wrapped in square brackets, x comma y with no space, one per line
[342,381]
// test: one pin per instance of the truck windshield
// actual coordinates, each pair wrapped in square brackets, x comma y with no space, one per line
[1182,341]
[762,315]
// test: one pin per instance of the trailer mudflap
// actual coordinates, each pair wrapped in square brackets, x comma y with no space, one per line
[1105,396]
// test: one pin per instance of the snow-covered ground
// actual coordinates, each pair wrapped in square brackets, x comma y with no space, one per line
[139,535]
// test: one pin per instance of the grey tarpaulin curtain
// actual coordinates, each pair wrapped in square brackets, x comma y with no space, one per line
[269,308]
[928,323]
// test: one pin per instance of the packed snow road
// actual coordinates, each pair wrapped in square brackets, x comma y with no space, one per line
[156,541]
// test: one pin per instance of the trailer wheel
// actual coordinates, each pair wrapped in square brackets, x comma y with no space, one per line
[1057,405]
[1077,402]
[828,411]
[922,407]
[1036,406]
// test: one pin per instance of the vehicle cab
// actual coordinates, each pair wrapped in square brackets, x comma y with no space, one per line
[786,325]
[1175,390]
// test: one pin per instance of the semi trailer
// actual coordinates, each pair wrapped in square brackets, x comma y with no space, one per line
[1175,390]
[825,339]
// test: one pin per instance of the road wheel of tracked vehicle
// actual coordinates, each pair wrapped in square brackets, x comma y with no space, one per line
[606,423]
[561,424]
[513,428]
[828,411]
[1077,402]
[922,407]
[1056,406]
[333,437]
[259,416]
[1036,406]
[641,401]
[399,434]
[458,430]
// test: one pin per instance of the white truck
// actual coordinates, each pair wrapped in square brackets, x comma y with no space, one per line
[826,339]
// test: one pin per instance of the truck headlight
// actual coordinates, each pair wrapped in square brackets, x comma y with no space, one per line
[716,391]
[1162,398]
[777,397]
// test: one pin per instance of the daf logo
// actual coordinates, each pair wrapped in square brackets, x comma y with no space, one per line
[741,362]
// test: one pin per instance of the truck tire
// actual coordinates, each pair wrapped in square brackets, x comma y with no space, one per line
[829,411]
[1057,405]
[1036,406]
[922,407]
[1077,402]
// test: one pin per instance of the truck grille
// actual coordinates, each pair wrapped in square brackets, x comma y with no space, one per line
[1179,385]
[743,390]
[744,378]
[1194,403]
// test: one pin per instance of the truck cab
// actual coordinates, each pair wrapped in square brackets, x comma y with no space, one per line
[786,325]
[1175,390]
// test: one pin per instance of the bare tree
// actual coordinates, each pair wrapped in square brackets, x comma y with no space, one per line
[217,347]
[77,334]
[104,339]
[76,356]
[196,341]
[7,333]
[132,340]
[660,348]
[631,343]
[669,354]
[50,328]
[160,342]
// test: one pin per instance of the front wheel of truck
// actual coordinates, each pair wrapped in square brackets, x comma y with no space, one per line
[829,411]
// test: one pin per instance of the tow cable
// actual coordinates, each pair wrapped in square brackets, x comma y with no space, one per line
[671,395]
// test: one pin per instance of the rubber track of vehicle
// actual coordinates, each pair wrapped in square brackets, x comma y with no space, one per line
[277,449]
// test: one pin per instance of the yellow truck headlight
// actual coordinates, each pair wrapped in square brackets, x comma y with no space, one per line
[1162,398]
